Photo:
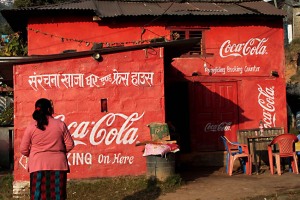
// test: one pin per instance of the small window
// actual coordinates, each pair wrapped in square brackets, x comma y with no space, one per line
[196,50]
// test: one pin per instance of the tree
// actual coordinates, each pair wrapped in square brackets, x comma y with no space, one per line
[15,46]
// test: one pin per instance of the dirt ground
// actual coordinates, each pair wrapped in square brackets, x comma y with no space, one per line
[215,184]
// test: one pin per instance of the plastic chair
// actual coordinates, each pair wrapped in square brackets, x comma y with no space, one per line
[237,151]
[224,140]
[297,149]
[286,145]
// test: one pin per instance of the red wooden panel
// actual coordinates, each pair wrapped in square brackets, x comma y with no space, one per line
[215,113]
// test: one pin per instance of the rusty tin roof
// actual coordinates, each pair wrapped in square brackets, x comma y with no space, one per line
[113,9]
[139,8]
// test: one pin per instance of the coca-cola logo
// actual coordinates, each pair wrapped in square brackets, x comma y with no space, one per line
[103,130]
[254,46]
[223,126]
[266,100]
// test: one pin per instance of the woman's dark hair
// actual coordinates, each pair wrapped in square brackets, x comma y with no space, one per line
[43,109]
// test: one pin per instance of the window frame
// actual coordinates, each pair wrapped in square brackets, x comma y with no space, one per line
[187,31]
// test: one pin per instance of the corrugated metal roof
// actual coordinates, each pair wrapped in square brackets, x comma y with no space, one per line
[106,9]
[129,8]
[262,8]
[110,9]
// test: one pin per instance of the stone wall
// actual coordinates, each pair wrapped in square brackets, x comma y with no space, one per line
[21,190]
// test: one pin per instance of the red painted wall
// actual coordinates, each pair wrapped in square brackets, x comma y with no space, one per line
[105,141]
[54,35]
[245,55]
[233,46]
[132,82]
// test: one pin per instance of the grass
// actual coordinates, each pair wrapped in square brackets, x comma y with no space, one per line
[6,187]
[125,188]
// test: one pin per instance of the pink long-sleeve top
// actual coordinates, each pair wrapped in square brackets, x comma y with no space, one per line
[47,149]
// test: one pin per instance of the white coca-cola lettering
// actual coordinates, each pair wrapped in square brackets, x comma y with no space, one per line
[266,101]
[100,133]
[269,119]
[223,126]
[254,46]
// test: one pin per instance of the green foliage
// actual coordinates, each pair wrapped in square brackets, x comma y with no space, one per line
[15,47]
[22,3]
[291,50]
[7,116]
[295,77]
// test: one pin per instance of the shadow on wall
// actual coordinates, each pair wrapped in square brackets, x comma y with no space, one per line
[195,109]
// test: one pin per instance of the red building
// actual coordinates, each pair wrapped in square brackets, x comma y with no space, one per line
[232,78]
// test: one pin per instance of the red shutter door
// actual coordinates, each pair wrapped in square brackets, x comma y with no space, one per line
[213,113]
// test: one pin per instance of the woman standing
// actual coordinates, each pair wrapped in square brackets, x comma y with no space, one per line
[46,142]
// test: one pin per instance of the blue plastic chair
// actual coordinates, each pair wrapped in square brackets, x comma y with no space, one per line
[238,151]
[298,152]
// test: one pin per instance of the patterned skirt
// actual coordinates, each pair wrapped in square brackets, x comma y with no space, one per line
[48,185]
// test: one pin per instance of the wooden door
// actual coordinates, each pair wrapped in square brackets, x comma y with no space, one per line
[214,112]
